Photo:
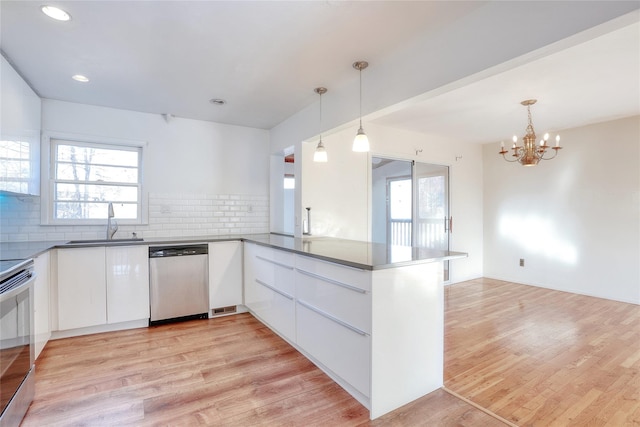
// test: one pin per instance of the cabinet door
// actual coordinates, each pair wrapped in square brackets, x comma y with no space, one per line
[82,290]
[41,292]
[269,288]
[20,115]
[127,270]
[344,350]
[225,274]
[341,292]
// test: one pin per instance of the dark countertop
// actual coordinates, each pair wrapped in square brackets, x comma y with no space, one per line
[352,253]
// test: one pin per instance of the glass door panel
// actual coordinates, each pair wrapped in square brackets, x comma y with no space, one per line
[431,218]
[392,201]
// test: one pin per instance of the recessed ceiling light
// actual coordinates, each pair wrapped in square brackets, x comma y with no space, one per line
[217,101]
[80,78]
[55,13]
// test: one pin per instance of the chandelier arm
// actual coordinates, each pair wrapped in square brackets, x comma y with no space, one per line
[549,158]
[511,161]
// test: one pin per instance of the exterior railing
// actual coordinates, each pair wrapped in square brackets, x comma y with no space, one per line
[430,233]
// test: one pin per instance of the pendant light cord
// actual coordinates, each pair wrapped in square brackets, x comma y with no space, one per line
[360,98]
[320,130]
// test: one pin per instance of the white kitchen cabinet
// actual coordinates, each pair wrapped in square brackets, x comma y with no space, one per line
[82,290]
[341,292]
[41,298]
[127,282]
[20,115]
[333,323]
[269,287]
[225,274]
[344,350]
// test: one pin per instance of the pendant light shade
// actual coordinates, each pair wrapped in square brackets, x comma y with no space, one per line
[361,142]
[320,155]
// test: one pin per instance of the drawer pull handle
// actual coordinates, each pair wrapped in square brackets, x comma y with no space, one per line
[279,264]
[330,317]
[333,282]
[277,291]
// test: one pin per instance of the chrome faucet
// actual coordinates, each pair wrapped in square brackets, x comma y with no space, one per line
[112,225]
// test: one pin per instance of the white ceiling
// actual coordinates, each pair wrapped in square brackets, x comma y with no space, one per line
[593,81]
[266,57]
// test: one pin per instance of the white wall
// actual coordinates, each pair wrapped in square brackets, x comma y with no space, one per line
[575,219]
[201,177]
[339,191]
[336,191]
[183,155]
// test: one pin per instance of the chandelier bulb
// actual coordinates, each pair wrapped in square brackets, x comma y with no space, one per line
[557,140]
[515,139]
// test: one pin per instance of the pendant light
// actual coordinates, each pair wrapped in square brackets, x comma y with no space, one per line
[320,155]
[361,142]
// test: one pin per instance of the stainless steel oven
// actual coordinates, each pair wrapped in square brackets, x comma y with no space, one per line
[17,351]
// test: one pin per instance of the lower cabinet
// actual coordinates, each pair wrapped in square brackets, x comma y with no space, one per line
[321,307]
[102,285]
[82,288]
[333,319]
[225,275]
[269,288]
[339,347]
[127,274]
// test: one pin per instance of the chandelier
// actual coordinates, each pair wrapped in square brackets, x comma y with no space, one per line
[529,154]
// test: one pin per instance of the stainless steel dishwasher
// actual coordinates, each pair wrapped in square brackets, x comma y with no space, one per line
[178,283]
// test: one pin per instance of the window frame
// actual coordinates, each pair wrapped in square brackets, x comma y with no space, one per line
[51,140]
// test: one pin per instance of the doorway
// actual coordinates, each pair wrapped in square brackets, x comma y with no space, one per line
[410,204]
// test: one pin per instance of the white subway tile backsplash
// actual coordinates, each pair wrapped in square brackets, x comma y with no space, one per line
[170,215]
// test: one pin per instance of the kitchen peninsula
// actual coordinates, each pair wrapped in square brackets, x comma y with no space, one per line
[369,315]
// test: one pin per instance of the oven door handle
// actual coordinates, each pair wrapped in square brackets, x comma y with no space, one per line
[19,288]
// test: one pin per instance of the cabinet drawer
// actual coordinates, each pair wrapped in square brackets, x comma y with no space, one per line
[351,276]
[275,308]
[341,349]
[275,268]
[343,301]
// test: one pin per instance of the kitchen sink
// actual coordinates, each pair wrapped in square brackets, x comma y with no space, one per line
[88,241]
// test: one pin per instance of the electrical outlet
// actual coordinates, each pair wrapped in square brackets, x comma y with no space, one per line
[521,262]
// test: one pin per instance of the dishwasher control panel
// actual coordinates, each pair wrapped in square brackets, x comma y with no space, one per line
[182,250]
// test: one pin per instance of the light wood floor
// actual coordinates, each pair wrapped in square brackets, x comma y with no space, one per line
[538,357]
[230,371]
[533,356]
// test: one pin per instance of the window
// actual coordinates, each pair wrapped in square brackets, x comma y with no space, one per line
[85,177]
[289,182]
